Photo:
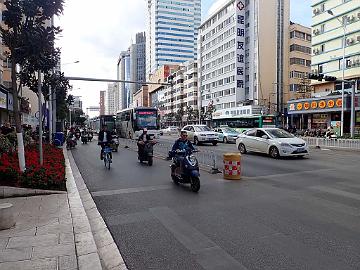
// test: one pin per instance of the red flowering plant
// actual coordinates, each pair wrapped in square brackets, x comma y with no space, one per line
[51,175]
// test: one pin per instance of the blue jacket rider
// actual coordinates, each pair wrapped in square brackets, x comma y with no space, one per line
[182,143]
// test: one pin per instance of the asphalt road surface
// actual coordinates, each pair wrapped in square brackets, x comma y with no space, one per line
[283,214]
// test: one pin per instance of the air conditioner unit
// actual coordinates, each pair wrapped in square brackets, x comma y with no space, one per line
[350,41]
[316,11]
[349,63]
[316,51]
[352,18]
[358,38]
[316,32]
[358,15]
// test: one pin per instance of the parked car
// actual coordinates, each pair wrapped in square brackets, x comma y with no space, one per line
[201,134]
[171,130]
[273,141]
[227,134]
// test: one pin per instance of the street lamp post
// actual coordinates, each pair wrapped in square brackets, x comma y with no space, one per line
[343,25]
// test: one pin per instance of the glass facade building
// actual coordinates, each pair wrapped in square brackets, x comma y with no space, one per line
[172,30]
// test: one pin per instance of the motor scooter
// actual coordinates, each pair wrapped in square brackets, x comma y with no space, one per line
[147,153]
[90,136]
[70,142]
[114,144]
[185,169]
[84,138]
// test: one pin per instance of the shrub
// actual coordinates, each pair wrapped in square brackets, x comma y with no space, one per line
[51,175]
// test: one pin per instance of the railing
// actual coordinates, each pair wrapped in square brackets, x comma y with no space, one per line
[206,159]
[353,144]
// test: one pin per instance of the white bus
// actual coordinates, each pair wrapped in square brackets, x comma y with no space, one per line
[131,122]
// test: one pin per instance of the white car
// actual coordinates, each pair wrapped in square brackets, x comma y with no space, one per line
[201,134]
[273,141]
[171,130]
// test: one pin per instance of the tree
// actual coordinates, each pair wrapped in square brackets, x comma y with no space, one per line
[30,42]
[179,115]
[189,113]
[209,111]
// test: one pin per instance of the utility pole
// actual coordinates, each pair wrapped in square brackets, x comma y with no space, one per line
[352,118]
[40,119]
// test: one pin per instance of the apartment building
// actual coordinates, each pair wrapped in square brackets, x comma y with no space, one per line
[123,97]
[172,30]
[243,57]
[184,92]
[335,33]
[300,61]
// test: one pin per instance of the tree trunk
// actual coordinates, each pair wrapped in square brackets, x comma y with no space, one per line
[19,135]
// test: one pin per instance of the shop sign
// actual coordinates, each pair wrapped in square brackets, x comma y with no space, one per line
[322,104]
[240,47]
[320,118]
[3,100]
[315,105]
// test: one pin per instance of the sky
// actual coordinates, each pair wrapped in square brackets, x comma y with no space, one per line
[95,32]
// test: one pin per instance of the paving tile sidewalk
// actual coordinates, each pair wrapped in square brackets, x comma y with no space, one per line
[43,237]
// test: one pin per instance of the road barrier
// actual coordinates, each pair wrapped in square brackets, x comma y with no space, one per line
[353,144]
[206,159]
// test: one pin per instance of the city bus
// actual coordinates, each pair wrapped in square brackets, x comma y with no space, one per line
[97,122]
[131,122]
[242,123]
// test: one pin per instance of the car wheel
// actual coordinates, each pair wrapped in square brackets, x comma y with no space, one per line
[196,141]
[225,140]
[214,143]
[274,152]
[242,148]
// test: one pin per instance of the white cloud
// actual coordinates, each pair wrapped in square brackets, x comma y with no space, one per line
[95,32]
[216,5]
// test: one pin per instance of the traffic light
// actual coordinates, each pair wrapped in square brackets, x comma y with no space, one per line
[321,77]
[330,78]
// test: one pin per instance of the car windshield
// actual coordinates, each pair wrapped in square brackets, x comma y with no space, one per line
[229,130]
[279,133]
[202,128]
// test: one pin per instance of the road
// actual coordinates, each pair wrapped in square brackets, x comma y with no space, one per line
[283,214]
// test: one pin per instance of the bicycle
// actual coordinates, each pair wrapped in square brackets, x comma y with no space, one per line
[107,157]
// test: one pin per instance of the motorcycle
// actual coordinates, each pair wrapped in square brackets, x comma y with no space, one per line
[70,142]
[115,143]
[84,138]
[90,136]
[185,169]
[147,153]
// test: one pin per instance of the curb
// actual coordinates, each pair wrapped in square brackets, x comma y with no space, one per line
[7,192]
[105,249]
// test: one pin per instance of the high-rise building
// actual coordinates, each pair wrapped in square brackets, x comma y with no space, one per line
[243,57]
[124,73]
[300,61]
[138,62]
[111,103]
[102,102]
[172,30]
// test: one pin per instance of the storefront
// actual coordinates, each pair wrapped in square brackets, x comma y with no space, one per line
[4,115]
[322,112]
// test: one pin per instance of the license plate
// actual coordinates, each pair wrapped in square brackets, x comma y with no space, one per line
[301,149]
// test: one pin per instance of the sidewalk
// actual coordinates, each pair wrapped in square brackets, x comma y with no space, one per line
[59,231]
[43,237]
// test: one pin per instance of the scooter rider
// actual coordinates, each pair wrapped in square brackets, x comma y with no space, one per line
[181,144]
[143,138]
[104,140]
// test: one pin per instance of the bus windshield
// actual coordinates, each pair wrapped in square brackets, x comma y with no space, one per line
[146,119]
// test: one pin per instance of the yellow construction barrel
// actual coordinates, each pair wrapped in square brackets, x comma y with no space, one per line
[232,166]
